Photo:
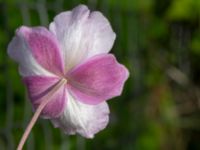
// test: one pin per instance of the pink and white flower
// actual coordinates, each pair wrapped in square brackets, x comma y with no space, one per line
[74,49]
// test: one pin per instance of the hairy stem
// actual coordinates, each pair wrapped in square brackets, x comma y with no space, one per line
[44,102]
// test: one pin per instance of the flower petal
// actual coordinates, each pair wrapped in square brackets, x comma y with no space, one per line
[98,79]
[20,52]
[81,118]
[82,34]
[37,51]
[38,87]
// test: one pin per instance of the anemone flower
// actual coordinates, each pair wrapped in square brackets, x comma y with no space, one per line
[68,72]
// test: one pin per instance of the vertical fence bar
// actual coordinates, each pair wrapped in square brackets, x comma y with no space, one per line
[24,8]
[9,93]
[42,11]
[9,111]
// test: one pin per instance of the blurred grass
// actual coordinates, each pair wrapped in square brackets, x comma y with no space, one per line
[160,44]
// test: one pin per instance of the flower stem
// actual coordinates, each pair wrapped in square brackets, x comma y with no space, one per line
[38,111]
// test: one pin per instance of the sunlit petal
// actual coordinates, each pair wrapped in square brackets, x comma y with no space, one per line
[98,79]
[37,51]
[81,118]
[82,34]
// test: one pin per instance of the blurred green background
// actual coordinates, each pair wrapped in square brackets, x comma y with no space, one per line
[158,40]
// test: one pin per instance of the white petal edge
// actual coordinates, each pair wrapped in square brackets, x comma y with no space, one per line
[19,51]
[82,34]
[83,119]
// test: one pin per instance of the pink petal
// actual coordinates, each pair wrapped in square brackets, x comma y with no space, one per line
[98,79]
[38,87]
[43,46]
[82,34]
[81,118]
[19,50]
